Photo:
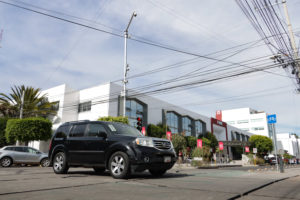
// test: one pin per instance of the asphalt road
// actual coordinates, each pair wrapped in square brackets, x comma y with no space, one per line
[179,183]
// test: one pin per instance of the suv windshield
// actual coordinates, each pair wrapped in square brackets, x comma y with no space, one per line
[123,129]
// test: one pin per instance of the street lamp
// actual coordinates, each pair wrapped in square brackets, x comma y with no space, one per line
[126,67]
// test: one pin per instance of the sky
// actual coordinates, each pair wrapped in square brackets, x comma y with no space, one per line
[44,52]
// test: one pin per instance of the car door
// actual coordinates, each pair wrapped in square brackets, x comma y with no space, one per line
[96,143]
[76,144]
[20,154]
[33,155]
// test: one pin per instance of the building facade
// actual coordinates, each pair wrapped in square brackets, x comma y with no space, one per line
[104,100]
[288,142]
[246,119]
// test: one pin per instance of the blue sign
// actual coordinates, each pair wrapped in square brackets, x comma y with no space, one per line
[272,119]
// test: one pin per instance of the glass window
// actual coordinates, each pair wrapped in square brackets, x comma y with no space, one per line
[172,122]
[198,128]
[257,120]
[238,137]
[123,129]
[134,110]
[258,128]
[94,129]
[230,122]
[232,136]
[10,149]
[187,126]
[55,106]
[78,130]
[245,121]
[62,132]
[82,107]
[31,150]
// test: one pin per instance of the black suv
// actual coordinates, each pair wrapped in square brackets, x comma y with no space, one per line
[118,147]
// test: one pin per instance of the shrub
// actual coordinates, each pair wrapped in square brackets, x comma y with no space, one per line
[191,141]
[115,119]
[197,163]
[28,129]
[3,122]
[203,152]
[179,142]
[213,140]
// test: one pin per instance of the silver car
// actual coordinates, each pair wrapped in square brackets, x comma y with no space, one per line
[22,155]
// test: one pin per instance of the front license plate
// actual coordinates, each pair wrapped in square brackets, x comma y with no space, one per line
[167,159]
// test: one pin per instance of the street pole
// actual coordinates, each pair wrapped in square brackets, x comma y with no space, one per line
[291,34]
[275,144]
[126,68]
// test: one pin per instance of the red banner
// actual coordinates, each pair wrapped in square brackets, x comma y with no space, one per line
[199,143]
[247,149]
[219,115]
[221,146]
[169,135]
[144,130]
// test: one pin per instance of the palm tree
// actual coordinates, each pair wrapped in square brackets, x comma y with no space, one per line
[35,104]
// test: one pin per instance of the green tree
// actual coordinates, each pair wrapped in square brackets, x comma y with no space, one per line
[158,130]
[3,122]
[179,142]
[28,129]
[262,143]
[35,104]
[115,119]
[191,141]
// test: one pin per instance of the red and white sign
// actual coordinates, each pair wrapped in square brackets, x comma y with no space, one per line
[247,149]
[199,143]
[219,115]
[169,135]
[144,130]
[221,146]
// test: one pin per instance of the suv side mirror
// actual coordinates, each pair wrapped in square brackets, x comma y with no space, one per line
[101,134]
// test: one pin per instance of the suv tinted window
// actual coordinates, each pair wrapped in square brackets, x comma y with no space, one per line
[77,130]
[123,129]
[94,129]
[20,149]
[62,132]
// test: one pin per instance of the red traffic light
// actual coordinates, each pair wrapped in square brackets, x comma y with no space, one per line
[138,119]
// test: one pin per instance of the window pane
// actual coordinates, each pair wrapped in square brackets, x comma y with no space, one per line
[78,130]
[94,129]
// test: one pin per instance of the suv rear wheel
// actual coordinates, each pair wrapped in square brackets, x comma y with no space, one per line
[60,165]
[119,165]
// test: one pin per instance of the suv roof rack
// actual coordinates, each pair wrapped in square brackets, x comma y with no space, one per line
[71,122]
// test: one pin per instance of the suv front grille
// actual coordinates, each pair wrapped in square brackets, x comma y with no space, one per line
[160,144]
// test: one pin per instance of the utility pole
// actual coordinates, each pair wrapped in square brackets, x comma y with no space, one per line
[275,145]
[291,34]
[126,67]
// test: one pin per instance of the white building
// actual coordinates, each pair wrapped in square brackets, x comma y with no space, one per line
[289,143]
[246,119]
[104,100]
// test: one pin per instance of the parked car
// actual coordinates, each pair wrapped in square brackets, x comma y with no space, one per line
[118,147]
[272,160]
[22,155]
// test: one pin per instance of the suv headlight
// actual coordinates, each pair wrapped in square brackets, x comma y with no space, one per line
[148,142]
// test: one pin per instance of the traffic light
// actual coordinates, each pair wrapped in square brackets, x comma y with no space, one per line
[139,123]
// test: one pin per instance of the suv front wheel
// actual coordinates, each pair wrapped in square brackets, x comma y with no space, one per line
[119,165]
[60,165]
